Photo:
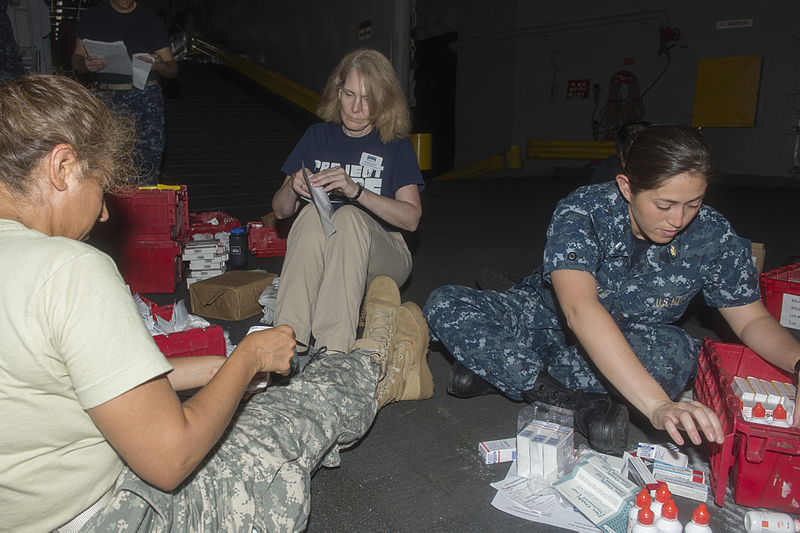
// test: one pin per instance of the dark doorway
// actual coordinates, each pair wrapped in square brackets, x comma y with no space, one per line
[435,94]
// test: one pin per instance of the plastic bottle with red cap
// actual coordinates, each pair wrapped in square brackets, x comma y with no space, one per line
[644,521]
[662,496]
[770,522]
[699,523]
[643,500]
[668,521]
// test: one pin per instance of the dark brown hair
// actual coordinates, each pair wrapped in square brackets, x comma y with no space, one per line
[662,151]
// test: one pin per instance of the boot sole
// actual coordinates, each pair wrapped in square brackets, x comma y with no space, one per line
[615,424]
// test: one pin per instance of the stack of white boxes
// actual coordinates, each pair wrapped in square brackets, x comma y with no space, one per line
[207,258]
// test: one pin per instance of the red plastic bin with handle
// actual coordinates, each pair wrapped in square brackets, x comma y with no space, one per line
[151,267]
[212,222]
[151,213]
[780,291]
[265,241]
[762,461]
[209,340]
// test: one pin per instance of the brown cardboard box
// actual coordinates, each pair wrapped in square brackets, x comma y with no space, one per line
[759,252]
[230,296]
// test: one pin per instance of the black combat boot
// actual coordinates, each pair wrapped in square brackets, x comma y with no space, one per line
[466,384]
[601,420]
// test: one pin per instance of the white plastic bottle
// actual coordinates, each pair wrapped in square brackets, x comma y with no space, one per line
[644,522]
[769,522]
[668,521]
[662,496]
[643,500]
[699,523]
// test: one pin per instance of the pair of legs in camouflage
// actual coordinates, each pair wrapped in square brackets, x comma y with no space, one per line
[146,106]
[258,477]
[507,338]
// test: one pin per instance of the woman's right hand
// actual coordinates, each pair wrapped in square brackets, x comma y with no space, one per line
[687,416]
[94,63]
[273,348]
[299,184]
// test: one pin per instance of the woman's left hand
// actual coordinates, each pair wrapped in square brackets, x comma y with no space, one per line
[335,180]
[687,416]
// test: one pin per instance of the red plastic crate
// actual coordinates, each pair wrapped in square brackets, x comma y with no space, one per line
[204,222]
[151,213]
[197,341]
[763,462]
[265,242]
[780,291]
[151,266]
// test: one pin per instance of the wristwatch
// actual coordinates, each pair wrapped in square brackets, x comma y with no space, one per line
[361,189]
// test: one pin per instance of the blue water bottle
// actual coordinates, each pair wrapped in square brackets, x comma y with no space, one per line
[239,250]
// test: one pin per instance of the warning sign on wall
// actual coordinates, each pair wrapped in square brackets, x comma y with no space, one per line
[578,89]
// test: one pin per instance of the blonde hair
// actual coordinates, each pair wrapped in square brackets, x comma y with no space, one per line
[387,103]
[39,112]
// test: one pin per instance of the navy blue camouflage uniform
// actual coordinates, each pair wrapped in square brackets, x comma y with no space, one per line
[509,337]
[10,57]
[142,32]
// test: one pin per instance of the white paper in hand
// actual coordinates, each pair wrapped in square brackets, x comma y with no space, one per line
[322,203]
[114,54]
[141,69]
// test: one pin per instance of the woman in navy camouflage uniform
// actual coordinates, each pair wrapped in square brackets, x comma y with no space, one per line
[621,263]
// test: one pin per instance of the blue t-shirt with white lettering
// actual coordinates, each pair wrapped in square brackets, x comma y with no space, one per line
[381,168]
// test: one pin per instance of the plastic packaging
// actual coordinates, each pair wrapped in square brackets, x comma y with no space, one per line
[769,522]
[239,248]
[268,300]
[668,521]
[644,522]
[545,446]
[643,500]
[699,523]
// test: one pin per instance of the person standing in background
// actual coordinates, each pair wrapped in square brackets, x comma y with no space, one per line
[10,56]
[142,32]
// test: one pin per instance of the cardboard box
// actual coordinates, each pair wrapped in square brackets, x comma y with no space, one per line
[759,252]
[230,296]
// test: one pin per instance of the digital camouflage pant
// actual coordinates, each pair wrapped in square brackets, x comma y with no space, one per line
[507,338]
[258,477]
[147,109]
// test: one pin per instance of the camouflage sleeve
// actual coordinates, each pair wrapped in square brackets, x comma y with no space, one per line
[572,241]
[731,279]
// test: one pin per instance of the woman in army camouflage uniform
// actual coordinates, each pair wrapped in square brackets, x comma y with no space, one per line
[622,261]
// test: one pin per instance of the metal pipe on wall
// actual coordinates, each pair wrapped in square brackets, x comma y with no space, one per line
[401,32]
[641,16]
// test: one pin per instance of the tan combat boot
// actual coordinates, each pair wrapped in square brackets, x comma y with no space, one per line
[407,375]
[380,305]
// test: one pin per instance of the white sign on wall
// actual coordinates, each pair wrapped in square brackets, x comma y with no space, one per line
[734,23]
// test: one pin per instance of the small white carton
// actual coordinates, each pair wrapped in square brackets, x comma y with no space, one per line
[666,453]
[498,451]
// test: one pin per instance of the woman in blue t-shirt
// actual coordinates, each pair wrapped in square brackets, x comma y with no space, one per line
[361,156]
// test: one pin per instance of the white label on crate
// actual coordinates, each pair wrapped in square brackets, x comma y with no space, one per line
[790,311]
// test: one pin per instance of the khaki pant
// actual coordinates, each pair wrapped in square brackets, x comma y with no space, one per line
[323,280]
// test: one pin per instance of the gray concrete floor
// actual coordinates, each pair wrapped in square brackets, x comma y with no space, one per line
[418,467]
